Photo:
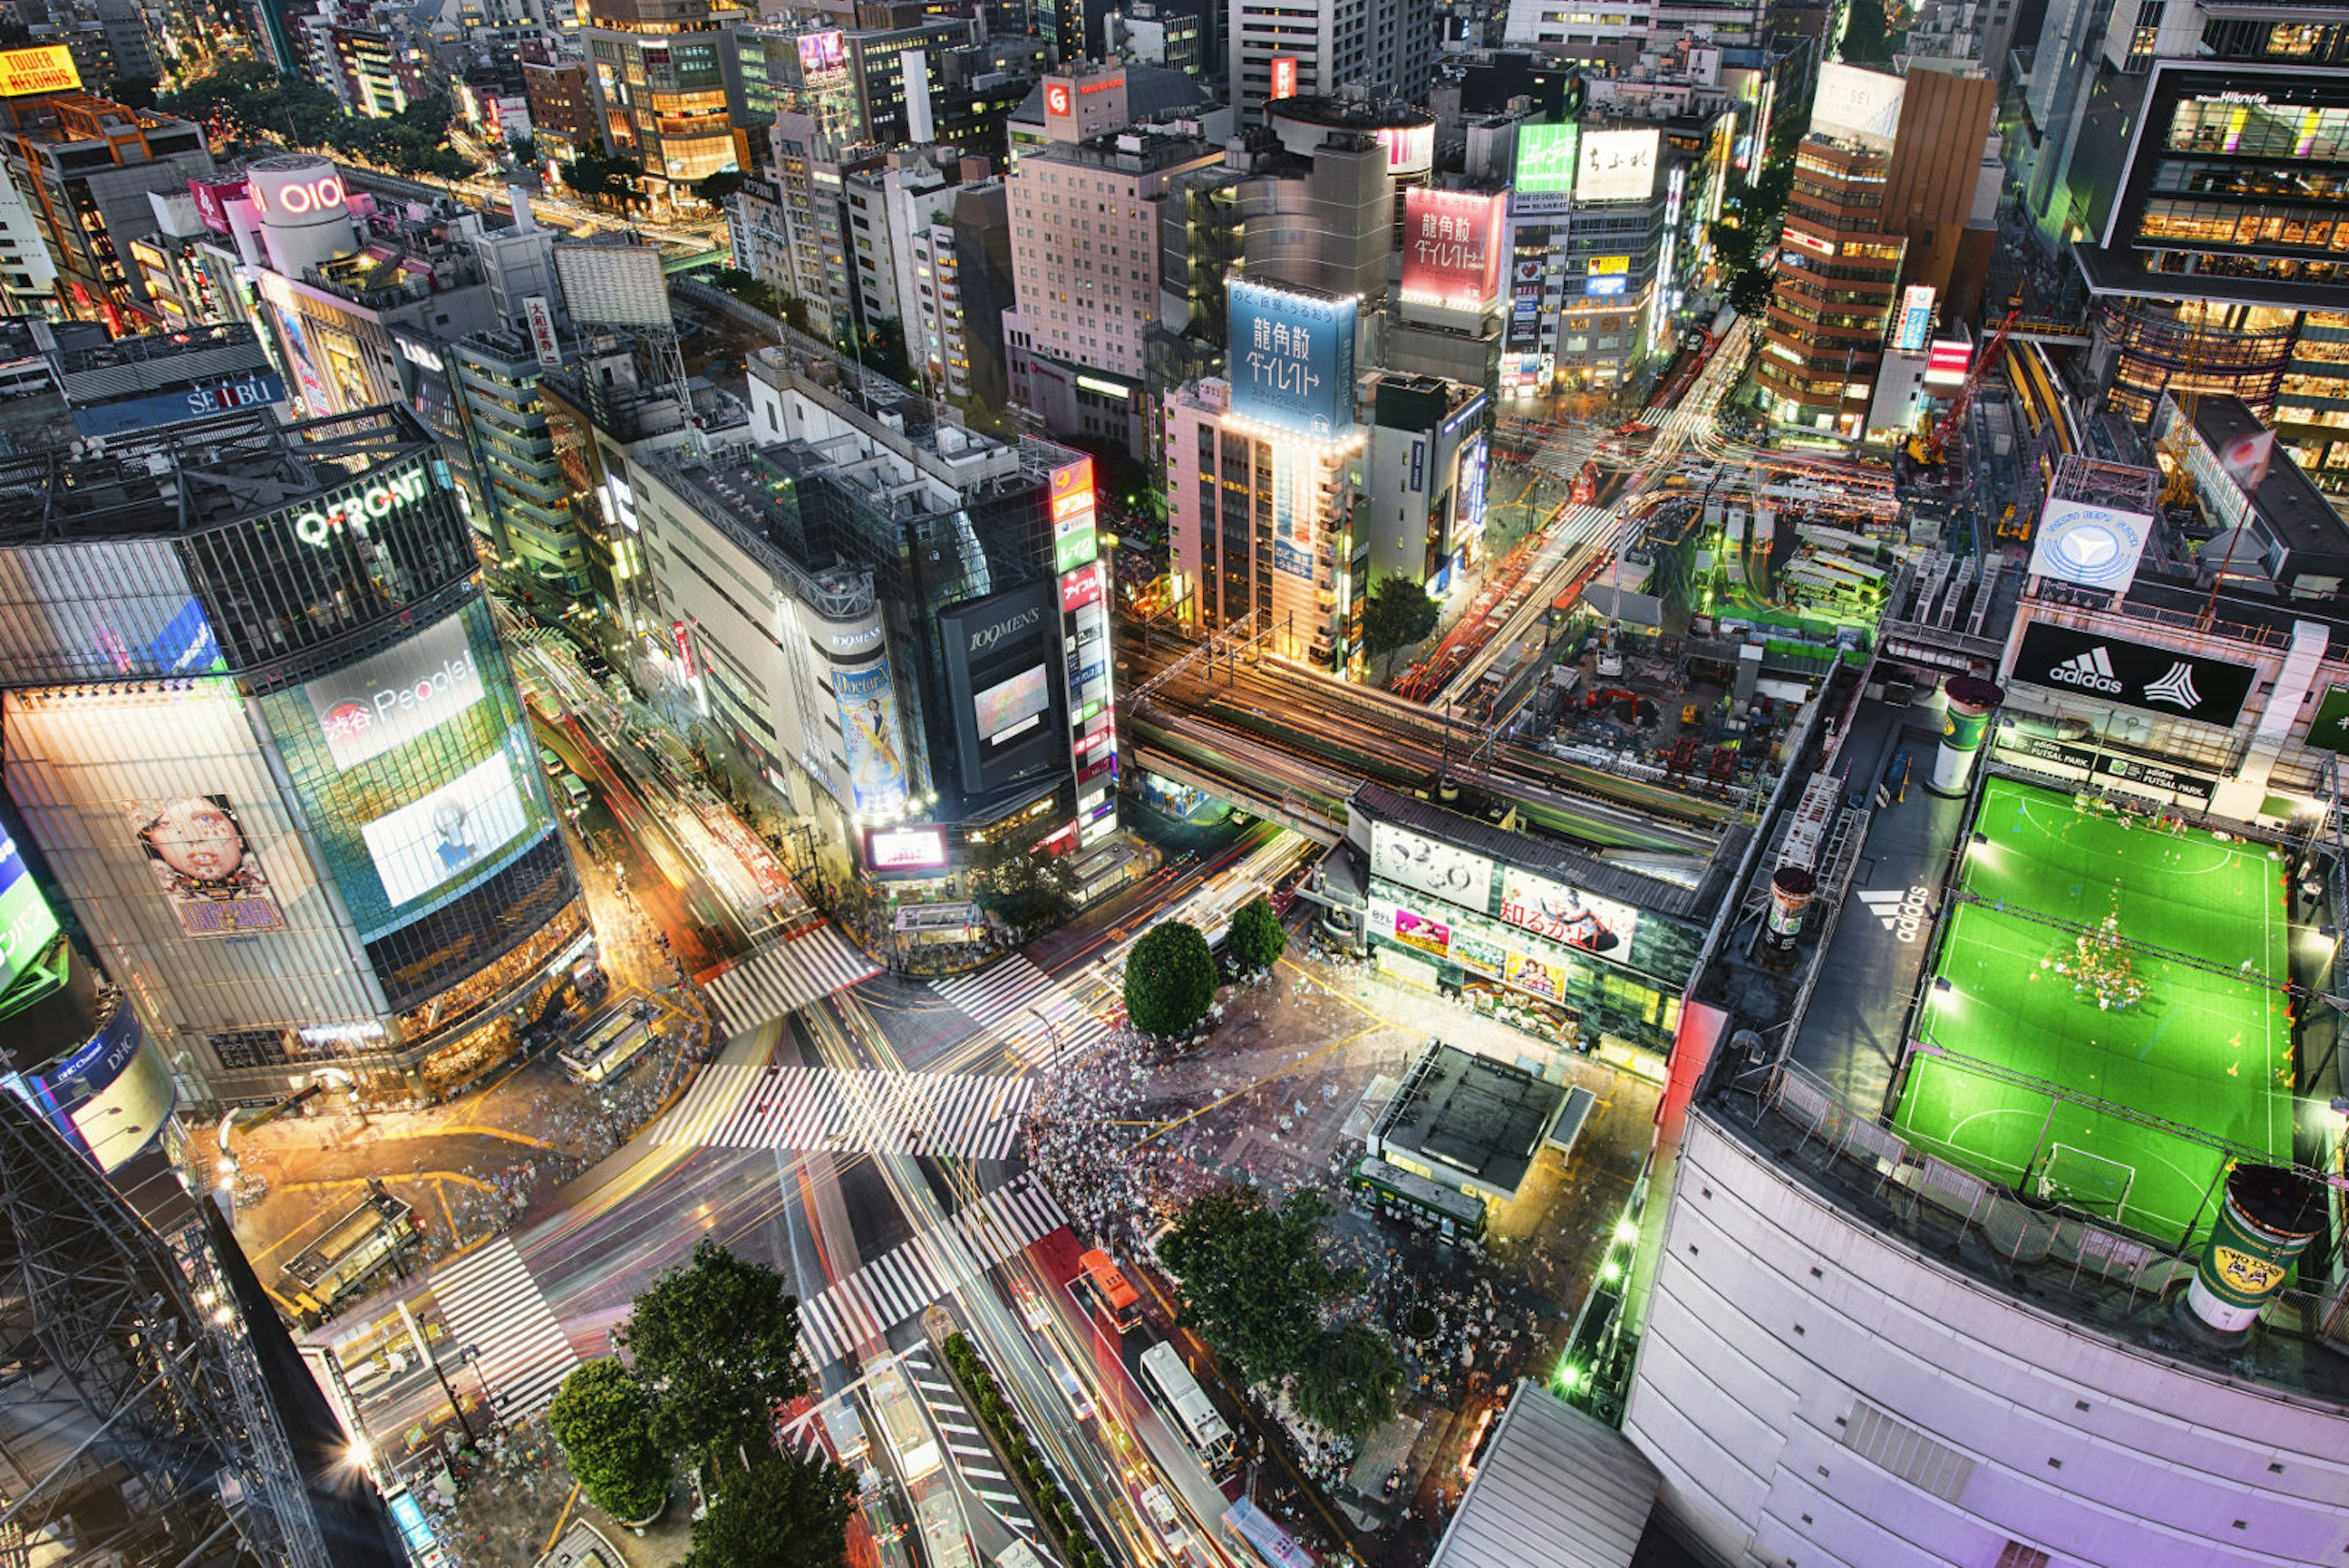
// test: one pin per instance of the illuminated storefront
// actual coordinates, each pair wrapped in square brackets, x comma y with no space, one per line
[278,763]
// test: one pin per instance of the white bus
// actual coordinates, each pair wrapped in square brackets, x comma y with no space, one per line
[1195,1417]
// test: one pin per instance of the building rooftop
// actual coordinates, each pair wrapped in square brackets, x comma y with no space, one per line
[1152,92]
[1350,113]
[2287,504]
[1556,1488]
[204,474]
[1476,1120]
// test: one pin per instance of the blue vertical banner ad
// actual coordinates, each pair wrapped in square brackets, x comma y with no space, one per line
[1292,358]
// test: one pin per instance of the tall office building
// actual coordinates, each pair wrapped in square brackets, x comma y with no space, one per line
[1085,260]
[1263,468]
[660,81]
[904,624]
[1328,47]
[261,733]
[1886,182]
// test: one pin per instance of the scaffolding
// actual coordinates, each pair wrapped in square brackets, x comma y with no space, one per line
[134,1427]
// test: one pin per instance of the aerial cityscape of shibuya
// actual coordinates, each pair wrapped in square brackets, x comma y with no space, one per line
[1173,783]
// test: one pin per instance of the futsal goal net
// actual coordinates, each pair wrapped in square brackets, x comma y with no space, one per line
[2085,1181]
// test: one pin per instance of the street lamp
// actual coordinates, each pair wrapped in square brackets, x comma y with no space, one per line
[471,1356]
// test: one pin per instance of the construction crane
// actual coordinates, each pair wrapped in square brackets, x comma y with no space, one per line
[1925,447]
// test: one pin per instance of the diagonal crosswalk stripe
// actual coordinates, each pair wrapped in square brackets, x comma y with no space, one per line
[490,1302]
[786,976]
[933,1263]
[736,1105]
[1041,1025]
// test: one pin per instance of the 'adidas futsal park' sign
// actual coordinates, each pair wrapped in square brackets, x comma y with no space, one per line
[2134,674]
[2329,730]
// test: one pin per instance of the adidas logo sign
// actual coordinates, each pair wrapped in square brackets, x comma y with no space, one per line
[2092,671]
[2178,686]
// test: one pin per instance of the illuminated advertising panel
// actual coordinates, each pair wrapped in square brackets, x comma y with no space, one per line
[1914,320]
[867,699]
[1565,914]
[2095,546]
[1473,460]
[47,68]
[1416,930]
[1080,588]
[1617,165]
[1610,267]
[1851,101]
[110,1097]
[826,51]
[2328,729]
[186,645]
[204,866]
[1007,707]
[1545,157]
[1292,358]
[1460,875]
[1075,541]
[27,926]
[391,698]
[1410,149]
[2157,679]
[171,408]
[452,831]
[213,197]
[1607,287]
[417,725]
[904,848]
[1059,103]
[1947,364]
[1452,247]
[1284,77]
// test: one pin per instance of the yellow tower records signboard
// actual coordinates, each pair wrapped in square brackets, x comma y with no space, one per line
[47,68]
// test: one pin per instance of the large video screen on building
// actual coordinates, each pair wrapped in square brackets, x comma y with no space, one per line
[1012,705]
[392,697]
[1292,358]
[416,769]
[448,832]
[998,653]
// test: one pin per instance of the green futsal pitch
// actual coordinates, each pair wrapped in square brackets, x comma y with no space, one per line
[2206,1048]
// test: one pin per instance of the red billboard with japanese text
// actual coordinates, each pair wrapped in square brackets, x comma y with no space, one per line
[1284,77]
[1452,247]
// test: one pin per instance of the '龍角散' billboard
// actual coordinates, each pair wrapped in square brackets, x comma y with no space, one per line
[1292,357]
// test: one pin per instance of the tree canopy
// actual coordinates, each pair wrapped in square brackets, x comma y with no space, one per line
[1254,1280]
[1398,614]
[596,177]
[247,100]
[1024,888]
[781,1511]
[1256,939]
[1349,1382]
[1170,979]
[713,1342]
[604,1419]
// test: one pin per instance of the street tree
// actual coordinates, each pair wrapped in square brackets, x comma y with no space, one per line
[1170,979]
[1257,939]
[713,1341]
[772,1509]
[1349,1382]
[598,178]
[604,1419]
[1254,1280]
[1398,613]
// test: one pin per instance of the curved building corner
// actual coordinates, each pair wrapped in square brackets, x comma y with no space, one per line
[259,732]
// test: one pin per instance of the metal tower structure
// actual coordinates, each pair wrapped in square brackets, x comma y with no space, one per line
[134,1427]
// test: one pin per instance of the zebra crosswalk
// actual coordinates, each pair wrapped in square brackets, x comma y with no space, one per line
[491,1302]
[1040,1022]
[930,1265]
[745,1106]
[973,1459]
[786,976]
